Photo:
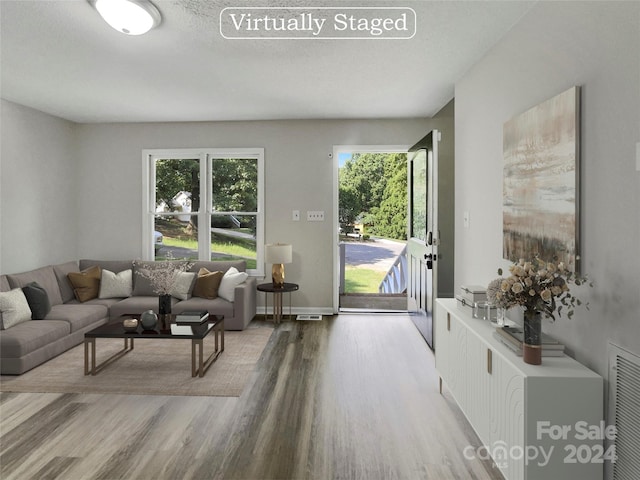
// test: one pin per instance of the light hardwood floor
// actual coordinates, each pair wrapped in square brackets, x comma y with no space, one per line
[351,397]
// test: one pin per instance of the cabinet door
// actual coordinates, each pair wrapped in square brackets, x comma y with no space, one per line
[458,370]
[442,321]
[507,417]
[480,371]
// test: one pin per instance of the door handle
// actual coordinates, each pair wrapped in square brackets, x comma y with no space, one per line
[430,238]
[429,260]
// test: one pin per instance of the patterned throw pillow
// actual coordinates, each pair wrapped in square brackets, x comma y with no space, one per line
[114,285]
[14,307]
[183,285]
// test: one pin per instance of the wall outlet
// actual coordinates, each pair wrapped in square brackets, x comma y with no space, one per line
[315,216]
[295,215]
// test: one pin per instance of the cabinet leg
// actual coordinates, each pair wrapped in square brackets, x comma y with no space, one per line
[440,384]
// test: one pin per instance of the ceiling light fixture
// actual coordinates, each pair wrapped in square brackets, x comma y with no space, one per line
[133,17]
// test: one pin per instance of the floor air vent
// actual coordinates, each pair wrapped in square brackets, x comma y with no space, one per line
[624,412]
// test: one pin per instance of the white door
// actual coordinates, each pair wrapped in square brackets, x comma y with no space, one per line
[422,246]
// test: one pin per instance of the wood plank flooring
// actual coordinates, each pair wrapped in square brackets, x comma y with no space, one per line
[350,397]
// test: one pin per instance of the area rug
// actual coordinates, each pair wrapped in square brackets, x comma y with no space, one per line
[153,367]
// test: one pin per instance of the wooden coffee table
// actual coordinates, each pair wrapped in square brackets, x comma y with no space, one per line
[166,329]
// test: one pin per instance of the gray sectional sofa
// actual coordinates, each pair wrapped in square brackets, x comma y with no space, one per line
[30,343]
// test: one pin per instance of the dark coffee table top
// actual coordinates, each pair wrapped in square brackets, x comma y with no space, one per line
[166,328]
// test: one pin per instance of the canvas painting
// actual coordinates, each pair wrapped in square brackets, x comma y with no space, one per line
[540,182]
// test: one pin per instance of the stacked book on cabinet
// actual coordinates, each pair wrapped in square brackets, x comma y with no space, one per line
[512,337]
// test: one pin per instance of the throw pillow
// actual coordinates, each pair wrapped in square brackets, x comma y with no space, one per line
[230,280]
[37,299]
[207,284]
[114,285]
[183,285]
[86,284]
[14,308]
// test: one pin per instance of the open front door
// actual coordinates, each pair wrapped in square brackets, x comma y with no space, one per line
[422,246]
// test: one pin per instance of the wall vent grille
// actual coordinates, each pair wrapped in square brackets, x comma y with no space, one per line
[624,412]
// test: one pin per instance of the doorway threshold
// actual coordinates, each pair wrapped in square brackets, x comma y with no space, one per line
[374,302]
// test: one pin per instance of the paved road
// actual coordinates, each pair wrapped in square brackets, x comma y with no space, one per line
[376,254]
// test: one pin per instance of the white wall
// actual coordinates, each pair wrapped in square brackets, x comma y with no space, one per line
[38,194]
[557,45]
[298,174]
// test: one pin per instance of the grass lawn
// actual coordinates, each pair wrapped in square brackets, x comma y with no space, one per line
[222,248]
[362,280]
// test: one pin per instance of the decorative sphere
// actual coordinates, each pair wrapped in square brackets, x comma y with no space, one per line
[149,319]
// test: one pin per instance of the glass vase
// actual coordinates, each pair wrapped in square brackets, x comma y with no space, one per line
[532,344]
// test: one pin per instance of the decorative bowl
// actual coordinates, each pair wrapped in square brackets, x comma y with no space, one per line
[130,324]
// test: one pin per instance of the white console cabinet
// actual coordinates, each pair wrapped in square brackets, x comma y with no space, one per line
[521,410]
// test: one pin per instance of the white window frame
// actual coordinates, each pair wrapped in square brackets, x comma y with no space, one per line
[205,156]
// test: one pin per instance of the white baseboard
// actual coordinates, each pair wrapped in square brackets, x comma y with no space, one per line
[297,310]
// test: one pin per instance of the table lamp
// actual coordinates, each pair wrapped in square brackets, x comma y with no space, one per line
[278,254]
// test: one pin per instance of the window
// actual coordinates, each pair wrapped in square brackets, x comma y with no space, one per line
[220,189]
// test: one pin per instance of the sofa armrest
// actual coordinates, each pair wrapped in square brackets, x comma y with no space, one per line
[245,301]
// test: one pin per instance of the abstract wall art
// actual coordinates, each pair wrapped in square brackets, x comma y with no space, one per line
[540,194]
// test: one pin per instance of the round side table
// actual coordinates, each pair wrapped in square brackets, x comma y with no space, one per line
[277,298]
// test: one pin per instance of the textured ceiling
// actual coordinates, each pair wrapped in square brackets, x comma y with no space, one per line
[58,56]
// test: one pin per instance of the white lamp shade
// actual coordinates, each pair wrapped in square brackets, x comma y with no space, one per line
[278,253]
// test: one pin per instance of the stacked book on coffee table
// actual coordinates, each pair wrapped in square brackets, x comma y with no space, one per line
[192,317]
[513,337]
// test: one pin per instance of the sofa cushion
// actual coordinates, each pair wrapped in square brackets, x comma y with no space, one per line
[115,266]
[45,277]
[223,266]
[14,307]
[79,315]
[61,271]
[37,299]
[207,284]
[137,304]
[230,280]
[116,285]
[86,283]
[218,306]
[30,336]
[4,284]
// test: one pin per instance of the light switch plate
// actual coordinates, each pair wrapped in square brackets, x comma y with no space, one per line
[295,215]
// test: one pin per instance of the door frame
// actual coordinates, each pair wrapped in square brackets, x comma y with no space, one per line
[337,150]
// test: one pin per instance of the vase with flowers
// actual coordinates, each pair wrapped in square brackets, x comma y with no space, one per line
[163,276]
[539,287]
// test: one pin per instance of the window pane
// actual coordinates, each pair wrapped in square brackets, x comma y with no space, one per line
[173,234]
[419,196]
[178,185]
[235,185]
[234,237]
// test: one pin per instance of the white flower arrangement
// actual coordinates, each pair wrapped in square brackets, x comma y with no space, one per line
[163,275]
[537,285]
